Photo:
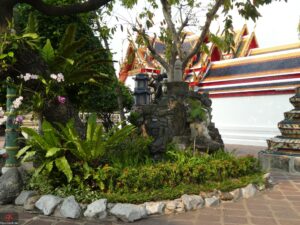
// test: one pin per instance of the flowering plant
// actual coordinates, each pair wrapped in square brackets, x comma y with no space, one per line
[35,91]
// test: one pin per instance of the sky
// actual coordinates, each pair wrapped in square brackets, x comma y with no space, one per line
[277,26]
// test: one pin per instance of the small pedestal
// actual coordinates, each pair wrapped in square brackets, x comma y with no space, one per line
[278,161]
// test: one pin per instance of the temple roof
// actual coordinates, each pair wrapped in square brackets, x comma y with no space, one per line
[139,59]
[270,73]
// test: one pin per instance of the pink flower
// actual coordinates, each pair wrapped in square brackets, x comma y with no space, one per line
[19,120]
[61,99]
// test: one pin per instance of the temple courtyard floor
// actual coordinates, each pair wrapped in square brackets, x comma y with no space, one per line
[278,206]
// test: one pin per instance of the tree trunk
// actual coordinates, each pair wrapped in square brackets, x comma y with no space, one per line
[61,113]
[118,89]
[6,13]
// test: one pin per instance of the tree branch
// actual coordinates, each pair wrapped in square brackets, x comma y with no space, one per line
[171,27]
[183,25]
[63,10]
[151,49]
[209,17]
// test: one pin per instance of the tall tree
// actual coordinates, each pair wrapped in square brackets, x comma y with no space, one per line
[179,15]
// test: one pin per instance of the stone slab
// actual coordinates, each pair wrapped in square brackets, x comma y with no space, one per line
[283,162]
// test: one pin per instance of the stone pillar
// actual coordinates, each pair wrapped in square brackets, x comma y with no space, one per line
[11,132]
[178,71]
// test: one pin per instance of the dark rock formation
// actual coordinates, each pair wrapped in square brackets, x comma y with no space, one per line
[10,186]
[182,117]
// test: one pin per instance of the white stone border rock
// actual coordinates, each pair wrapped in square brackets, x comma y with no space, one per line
[100,209]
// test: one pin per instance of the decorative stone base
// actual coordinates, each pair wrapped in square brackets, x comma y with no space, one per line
[279,161]
[284,145]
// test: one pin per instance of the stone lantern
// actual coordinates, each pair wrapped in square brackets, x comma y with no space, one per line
[141,91]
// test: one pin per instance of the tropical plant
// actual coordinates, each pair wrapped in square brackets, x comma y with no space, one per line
[77,66]
[10,42]
[65,151]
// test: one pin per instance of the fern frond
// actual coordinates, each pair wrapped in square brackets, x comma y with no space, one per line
[32,24]
[69,37]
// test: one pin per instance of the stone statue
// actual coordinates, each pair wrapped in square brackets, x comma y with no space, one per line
[156,84]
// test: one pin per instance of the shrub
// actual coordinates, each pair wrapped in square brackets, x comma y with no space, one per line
[62,151]
[180,172]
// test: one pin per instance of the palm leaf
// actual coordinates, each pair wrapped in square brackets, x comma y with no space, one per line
[91,126]
[63,165]
[22,151]
[49,166]
[28,155]
[52,151]
[50,134]
[35,138]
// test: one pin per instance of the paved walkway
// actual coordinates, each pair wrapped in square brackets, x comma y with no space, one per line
[280,206]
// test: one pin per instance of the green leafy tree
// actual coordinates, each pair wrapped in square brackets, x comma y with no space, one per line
[104,100]
[87,25]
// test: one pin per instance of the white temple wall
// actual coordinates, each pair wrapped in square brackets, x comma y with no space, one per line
[249,120]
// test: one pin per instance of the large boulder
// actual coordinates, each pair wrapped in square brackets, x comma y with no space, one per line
[192,202]
[213,201]
[129,212]
[237,193]
[22,198]
[249,191]
[48,203]
[97,209]
[155,207]
[29,204]
[11,185]
[70,208]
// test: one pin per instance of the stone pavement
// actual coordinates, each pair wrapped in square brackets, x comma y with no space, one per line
[279,206]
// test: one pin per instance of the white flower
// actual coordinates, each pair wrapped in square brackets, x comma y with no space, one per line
[60,77]
[27,77]
[53,76]
[34,77]
[21,76]
[17,102]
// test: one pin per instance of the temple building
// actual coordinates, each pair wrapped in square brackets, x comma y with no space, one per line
[250,87]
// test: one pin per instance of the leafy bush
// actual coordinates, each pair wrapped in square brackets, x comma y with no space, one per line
[116,165]
[197,111]
[180,173]
[62,151]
